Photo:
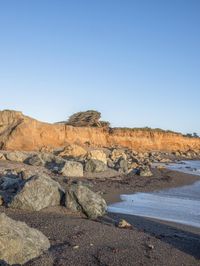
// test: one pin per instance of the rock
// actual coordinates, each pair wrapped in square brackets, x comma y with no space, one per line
[72,169]
[81,198]
[36,160]
[122,166]
[27,173]
[116,154]
[95,166]
[12,173]
[73,151]
[149,246]
[177,153]
[20,243]
[98,155]
[38,193]
[48,160]
[165,160]
[1,200]
[21,173]
[110,163]
[160,167]
[17,156]
[10,183]
[133,165]
[124,224]
[145,171]
[2,156]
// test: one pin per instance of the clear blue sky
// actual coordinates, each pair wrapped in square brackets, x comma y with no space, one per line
[136,61]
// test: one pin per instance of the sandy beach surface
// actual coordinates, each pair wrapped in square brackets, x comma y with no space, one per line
[76,240]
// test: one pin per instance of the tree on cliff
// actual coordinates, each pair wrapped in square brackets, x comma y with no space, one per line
[88,118]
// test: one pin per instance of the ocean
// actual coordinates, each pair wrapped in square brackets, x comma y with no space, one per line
[180,205]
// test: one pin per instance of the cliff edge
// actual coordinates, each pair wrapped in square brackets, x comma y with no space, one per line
[20,132]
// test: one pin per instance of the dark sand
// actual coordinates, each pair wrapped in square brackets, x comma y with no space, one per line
[76,240]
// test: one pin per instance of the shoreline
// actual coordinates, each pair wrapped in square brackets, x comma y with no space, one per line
[76,240]
[161,179]
[180,179]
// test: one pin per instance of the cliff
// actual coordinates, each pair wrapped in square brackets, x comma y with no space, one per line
[20,132]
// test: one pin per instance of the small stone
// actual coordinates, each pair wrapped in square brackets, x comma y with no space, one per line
[150,246]
[124,224]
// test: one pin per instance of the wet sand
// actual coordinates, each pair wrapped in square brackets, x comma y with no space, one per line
[76,240]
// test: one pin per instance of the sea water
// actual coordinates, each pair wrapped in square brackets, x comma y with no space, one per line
[180,205]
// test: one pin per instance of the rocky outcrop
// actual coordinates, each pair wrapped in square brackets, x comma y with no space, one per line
[19,243]
[37,193]
[81,198]
[19,132]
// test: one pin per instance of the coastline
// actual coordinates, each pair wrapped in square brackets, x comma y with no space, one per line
[76,240]
[161,179]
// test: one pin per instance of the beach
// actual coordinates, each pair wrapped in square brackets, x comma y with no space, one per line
[76,240]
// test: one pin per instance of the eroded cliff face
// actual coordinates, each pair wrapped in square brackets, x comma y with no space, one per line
[19,132]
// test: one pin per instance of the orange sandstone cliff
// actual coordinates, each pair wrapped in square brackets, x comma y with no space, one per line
[20,132]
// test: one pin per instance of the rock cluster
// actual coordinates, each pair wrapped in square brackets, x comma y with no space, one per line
[77,161]
[40,191]
[18,242]
[36,186]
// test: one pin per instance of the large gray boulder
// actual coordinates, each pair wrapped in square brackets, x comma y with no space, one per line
[72,169]
[38,193]
[95,166]
[20,243]
[81,198]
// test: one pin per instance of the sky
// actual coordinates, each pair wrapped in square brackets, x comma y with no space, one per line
[135,61]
